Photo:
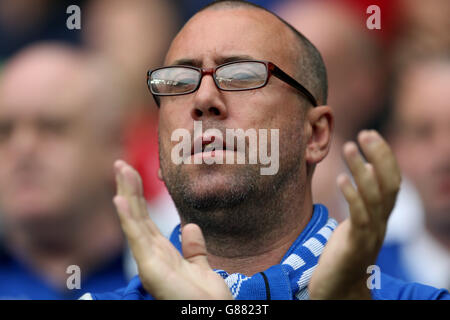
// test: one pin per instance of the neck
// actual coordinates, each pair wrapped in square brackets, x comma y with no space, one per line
[271,251]
[266,247]
[87,242]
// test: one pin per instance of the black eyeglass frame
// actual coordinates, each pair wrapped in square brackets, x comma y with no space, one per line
[271,68]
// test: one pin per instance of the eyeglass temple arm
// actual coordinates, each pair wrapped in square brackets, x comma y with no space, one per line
[277,72]
[280,74]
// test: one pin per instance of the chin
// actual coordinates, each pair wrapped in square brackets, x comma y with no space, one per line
[211,189]
[214,200]
[30,206]
[28,212]
[214,180]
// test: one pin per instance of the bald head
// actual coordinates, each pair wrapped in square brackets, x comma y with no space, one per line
[53,76]
[420,130]
[309,68]
[36,71]
[61,115]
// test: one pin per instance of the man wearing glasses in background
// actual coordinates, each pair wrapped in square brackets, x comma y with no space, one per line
[229,67]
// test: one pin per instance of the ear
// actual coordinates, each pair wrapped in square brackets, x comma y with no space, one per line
[318,129]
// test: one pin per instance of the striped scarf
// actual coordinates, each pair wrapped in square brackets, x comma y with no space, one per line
[288,280]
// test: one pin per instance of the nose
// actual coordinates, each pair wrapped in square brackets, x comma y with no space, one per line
[208,101]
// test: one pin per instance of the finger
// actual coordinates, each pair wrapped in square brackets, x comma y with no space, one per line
[118,164]
[129,225]
[132,181]
[358,212]
[364,177]
[131,187]
[387,172]
[140,213]
[129,181]
[378,152]
[140,240]
[193,245]
[132,206]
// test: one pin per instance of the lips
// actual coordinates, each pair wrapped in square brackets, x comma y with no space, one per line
[210,143]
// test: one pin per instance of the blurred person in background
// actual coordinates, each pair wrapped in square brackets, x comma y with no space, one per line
[423,29]
[419,131]
[135,35]
[355,81]
[26,21]
[60,128]
[358,69]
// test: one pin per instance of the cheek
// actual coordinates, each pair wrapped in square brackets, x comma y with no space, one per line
[169,122]
[67,150]
[414,161]
[292,144]
[77,162]
[286,116]
[270,107]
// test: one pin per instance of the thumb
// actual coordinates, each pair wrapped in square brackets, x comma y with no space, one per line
[193,245]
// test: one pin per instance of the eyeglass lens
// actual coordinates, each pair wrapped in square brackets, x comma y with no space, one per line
[234,76]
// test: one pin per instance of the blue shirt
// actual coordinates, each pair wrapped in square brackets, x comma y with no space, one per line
[19,282]
[390,261]
[388,288]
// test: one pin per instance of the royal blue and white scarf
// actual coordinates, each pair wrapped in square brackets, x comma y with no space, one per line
[285,281]
[288,280]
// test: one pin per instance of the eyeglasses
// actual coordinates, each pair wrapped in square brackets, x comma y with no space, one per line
[232,76]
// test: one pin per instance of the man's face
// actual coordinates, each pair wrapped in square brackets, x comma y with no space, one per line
[211,38]
[49,155]
[423,136]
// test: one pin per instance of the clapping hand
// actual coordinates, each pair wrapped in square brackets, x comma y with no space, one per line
[164,273]
[354,245]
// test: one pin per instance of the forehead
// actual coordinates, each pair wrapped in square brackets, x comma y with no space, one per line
[217,33]
[424,92]
[41,87]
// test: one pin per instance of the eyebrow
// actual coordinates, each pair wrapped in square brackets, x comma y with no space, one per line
[186,62]
[218,61]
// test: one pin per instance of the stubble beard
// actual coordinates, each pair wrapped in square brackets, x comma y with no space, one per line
[245,210]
